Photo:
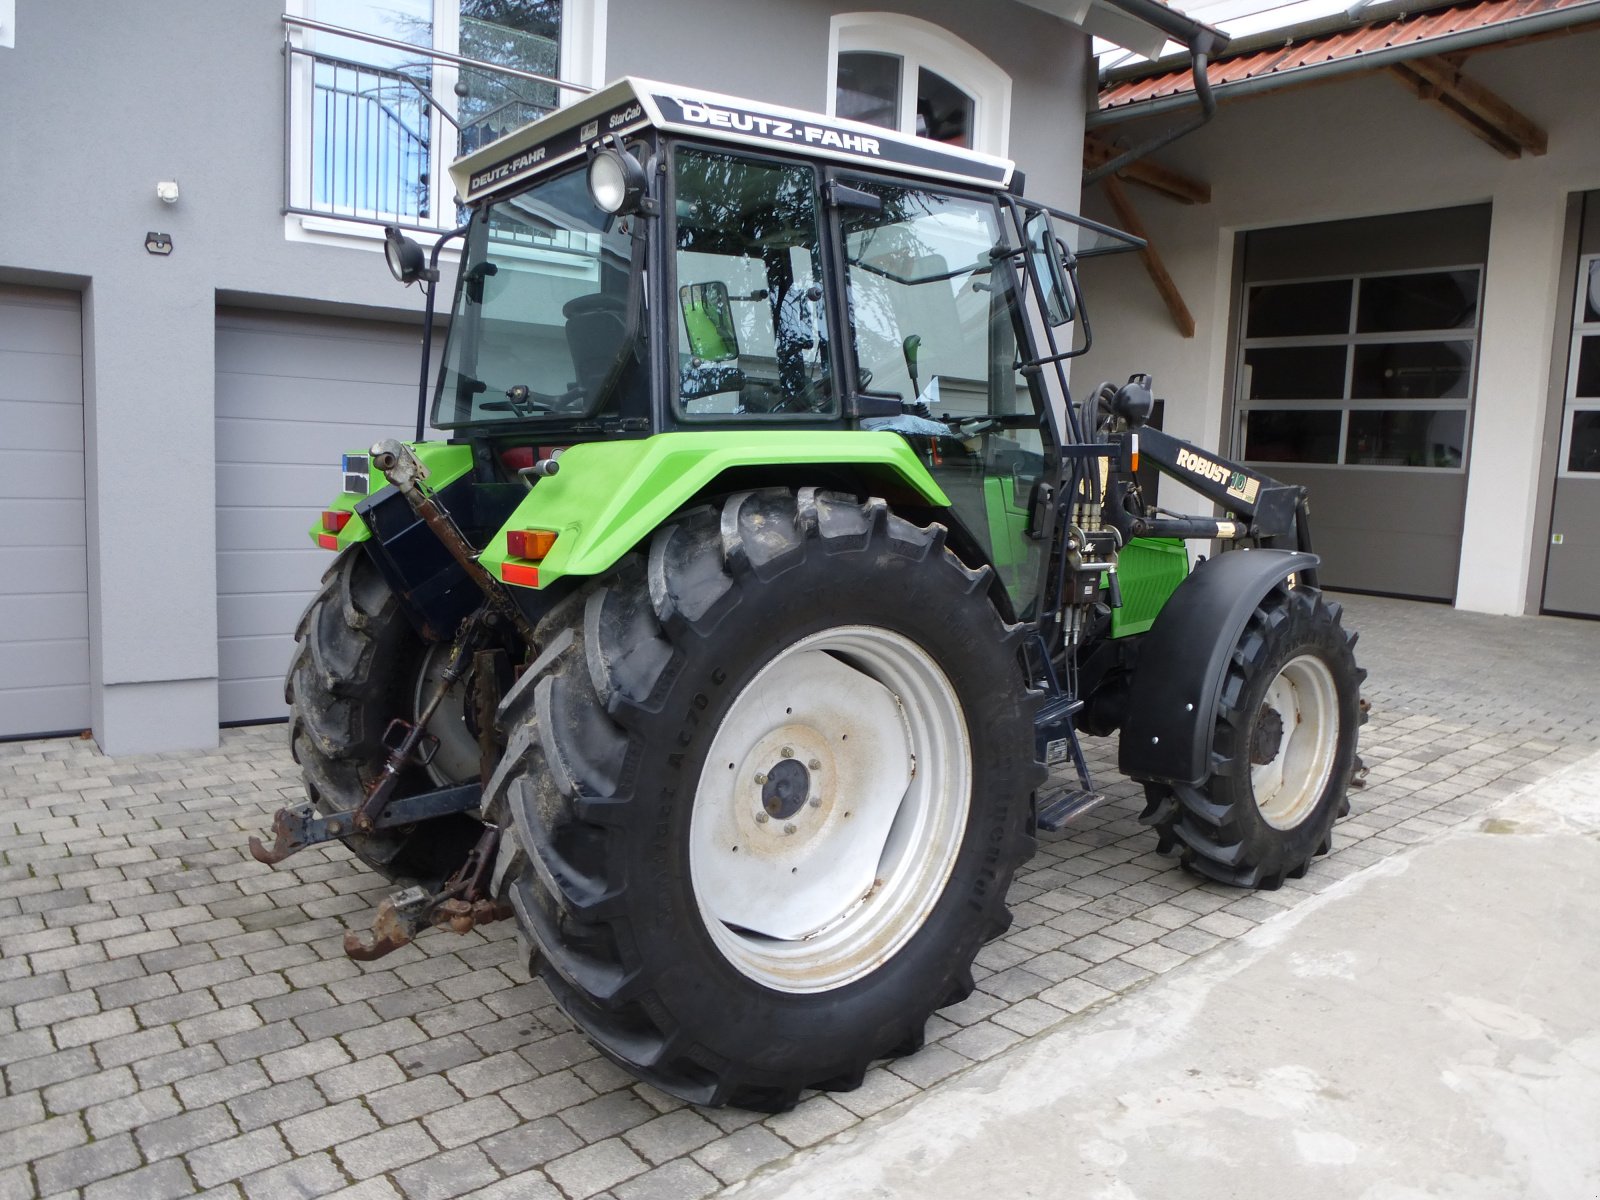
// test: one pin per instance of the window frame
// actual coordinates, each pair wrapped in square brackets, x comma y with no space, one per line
[1573,403]
[1350,341]
[671,320]
[581,61]
[922,44]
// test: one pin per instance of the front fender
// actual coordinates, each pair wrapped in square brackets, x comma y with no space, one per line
[1183,661]
[608,496]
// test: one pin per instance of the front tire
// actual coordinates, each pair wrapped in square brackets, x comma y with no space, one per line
[1282,751]
[765,790]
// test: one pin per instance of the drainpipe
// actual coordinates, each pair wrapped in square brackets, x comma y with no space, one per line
[1202,41]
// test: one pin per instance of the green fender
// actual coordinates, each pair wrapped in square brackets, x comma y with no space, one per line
[608,496]
[445,463]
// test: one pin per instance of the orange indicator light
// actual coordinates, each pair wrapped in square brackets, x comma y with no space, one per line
[335,520]
[532,544]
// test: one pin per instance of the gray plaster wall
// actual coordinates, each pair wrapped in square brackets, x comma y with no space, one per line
[779,52]
[100,102]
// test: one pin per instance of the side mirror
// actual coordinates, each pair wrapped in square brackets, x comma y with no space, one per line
[708,322]
[1046,259]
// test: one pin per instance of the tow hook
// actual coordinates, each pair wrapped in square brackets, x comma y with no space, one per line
[461,905]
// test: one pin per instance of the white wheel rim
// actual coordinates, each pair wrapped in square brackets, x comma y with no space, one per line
[820,872]
[458,755]
[1288,786]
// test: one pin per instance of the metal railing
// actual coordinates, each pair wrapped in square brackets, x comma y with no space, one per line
[365,142]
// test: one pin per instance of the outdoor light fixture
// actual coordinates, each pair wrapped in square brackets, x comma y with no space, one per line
[167,191]
[406,259]
[616,180]
[158,243]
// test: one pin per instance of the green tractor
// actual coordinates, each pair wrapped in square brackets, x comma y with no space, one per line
[768,566]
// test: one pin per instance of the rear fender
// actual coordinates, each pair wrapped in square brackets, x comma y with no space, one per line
[1183,661]
[608,496]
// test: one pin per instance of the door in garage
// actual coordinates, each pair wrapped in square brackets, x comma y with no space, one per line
[293,394]
[1572,573]
[44,606]
[1356,367]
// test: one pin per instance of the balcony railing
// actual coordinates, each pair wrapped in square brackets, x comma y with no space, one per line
[364,142]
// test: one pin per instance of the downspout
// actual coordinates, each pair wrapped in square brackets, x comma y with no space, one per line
[1202,41]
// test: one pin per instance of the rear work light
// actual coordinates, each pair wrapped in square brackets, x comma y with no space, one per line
[531,544]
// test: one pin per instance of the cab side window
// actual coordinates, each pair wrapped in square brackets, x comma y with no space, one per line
[752,338]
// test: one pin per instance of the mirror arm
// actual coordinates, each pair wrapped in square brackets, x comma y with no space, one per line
[431,285]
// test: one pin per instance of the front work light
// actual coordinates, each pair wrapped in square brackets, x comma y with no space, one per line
[616,180]
[406,259]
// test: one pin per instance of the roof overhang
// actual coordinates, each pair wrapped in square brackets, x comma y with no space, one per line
[1379,35]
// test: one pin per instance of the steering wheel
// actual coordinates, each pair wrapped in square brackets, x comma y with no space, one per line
[525,402]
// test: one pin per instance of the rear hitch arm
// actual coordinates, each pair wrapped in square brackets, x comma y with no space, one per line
[299,826]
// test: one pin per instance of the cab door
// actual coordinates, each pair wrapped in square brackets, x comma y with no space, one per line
[932,353]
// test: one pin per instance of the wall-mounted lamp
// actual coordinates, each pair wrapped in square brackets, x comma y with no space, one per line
[167,191]
[158,243]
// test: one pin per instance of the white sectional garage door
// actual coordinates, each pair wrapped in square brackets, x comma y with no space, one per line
[293,393]
[44,606]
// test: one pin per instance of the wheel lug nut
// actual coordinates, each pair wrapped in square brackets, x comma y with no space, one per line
[816,803]
[761,777]
[788,828]
[762,818]
[787,752]
[815,764]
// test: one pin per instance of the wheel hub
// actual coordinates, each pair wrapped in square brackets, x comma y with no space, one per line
[1294,745]
[787,788]
[1268,736]
[830,808]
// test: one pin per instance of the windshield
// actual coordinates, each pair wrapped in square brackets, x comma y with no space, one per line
[540,325]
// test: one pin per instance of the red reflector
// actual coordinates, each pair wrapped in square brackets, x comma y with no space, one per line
[335,519]
[517,457]
[526,575]
[529,543]
[328,541]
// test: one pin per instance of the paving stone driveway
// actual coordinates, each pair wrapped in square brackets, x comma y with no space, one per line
[177,1019]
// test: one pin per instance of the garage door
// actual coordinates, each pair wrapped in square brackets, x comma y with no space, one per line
[44,606]
[1356,374]
[293,393]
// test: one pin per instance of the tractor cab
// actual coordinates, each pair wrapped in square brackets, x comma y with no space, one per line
[655,260]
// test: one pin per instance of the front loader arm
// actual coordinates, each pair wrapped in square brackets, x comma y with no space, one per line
[1259,508]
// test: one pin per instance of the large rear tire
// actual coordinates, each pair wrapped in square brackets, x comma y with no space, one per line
[358,664]
[765,790]
[1282,751]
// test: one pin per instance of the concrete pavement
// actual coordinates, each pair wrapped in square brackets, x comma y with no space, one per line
[1425,1028]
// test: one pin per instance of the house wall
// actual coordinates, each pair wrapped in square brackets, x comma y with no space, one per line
[779,52]
[1361,147]
[101,101]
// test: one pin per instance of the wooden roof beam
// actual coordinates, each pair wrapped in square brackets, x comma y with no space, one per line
[1128,218]
[1172,184]
[1440,81]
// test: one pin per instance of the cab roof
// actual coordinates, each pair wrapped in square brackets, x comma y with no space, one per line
[631,104]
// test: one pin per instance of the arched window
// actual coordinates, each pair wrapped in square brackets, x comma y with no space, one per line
[908,74]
